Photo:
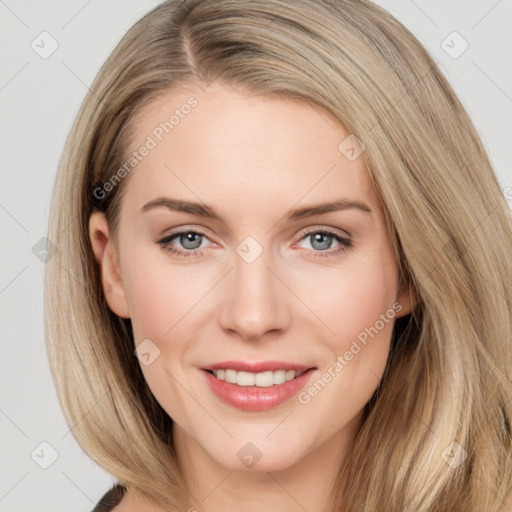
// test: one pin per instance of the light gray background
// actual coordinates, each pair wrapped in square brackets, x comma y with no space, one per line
[39,98]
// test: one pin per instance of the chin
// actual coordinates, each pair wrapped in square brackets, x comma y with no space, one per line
[258,453]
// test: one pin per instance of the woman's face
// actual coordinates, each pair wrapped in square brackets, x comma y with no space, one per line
[263,274]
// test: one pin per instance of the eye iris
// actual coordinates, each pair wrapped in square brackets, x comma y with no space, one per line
[318,237]
[188,238]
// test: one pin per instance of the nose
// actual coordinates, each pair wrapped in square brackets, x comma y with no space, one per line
[255,299]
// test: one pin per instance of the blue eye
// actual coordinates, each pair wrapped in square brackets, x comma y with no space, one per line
[188,239]
[322,241]
[191,241]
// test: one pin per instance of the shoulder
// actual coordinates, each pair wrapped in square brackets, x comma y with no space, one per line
[111,499]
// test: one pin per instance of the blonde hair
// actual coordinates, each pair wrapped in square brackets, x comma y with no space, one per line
[448,378]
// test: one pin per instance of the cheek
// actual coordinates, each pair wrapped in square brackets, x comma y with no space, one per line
[151,306]
[364,296]
[160,294]
[161,299]
[356,296]
[364,323]
[360,315]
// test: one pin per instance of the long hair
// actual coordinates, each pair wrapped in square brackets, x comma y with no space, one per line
[436,434]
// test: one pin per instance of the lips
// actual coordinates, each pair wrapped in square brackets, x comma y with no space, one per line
[255,398]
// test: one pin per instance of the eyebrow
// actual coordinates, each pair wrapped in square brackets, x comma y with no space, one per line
[208,212]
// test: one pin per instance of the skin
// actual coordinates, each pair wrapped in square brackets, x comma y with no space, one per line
[253,159]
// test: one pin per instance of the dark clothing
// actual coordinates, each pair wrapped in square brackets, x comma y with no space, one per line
[110,499]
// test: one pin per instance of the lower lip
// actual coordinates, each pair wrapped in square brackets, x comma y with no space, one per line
[253,398]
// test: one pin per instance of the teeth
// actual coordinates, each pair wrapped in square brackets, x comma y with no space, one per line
[262,380]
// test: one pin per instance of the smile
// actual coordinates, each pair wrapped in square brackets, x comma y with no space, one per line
[256,386]
[261,380]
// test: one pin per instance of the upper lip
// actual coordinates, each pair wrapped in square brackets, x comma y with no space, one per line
[257,367]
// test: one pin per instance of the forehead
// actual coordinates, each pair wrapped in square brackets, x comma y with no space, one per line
[221,143]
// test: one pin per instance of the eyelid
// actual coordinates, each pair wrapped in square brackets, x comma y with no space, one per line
[200,230]
[318,227]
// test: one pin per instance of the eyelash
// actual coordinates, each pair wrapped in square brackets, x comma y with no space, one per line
[345,243]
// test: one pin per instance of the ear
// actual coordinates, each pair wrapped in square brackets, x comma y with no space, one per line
[406,297]
[107,258]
